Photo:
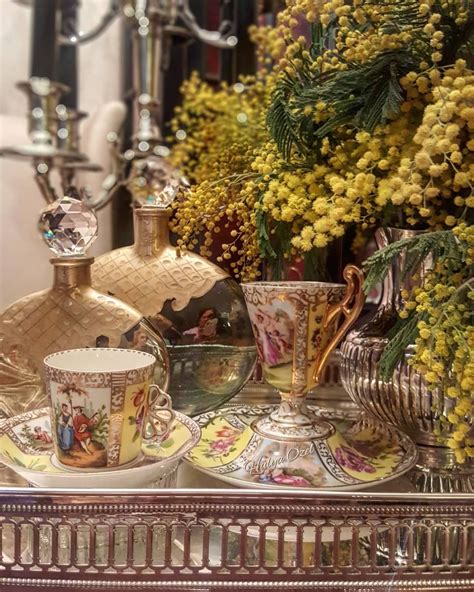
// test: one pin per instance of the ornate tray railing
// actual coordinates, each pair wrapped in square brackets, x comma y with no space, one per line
[235,540]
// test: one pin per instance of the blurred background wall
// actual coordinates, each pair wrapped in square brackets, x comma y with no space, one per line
[24,265]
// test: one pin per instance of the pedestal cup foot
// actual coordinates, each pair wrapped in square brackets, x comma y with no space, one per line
[314,429]
[357,454]
[292,421]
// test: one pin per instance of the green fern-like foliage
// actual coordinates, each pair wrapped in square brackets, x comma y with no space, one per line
[438,245]
[281,120]
[381,101]
[402,335]
[364,95]
[430,249]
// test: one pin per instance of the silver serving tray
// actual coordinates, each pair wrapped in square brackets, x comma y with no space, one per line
[214,539]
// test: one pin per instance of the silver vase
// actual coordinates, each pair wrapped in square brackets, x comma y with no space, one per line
[404,401]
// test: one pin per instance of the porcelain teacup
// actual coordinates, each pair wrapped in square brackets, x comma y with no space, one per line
[296,327]
[103,406]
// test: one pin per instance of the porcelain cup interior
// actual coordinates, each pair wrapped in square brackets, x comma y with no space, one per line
[92,360]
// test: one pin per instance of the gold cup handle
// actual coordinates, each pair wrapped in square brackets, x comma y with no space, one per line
[350,306]
[159,416]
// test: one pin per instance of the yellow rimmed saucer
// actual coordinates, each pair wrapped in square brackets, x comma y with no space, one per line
[30,453]
[360,453]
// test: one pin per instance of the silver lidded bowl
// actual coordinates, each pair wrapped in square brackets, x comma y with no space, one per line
[404,401]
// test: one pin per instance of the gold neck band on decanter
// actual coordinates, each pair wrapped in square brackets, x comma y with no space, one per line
[72,272]
[151,230]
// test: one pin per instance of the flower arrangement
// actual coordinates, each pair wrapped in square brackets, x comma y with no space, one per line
[365,120]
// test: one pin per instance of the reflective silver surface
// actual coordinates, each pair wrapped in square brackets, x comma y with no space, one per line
[198,539]
[54,137]
[54,143]
[153,23]
[404,401]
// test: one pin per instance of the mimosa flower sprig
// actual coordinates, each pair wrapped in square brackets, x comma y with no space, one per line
[379,107]
[438,319]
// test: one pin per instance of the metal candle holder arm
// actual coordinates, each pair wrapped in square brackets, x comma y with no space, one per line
[174,12]
[154,21]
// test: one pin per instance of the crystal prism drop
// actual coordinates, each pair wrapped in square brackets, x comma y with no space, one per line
[154,182]
[68,226]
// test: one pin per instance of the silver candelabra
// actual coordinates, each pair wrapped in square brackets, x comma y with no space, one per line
[54,128]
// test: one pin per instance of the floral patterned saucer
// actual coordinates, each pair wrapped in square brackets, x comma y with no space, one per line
[26,446]
[359,454]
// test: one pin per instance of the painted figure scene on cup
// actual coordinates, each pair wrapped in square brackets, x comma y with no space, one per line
[82,426]
[273,328]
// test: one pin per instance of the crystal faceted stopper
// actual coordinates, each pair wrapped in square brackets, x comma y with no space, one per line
[68,226]
[154,181]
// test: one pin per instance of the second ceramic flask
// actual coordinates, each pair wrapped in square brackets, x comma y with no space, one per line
[195,305]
